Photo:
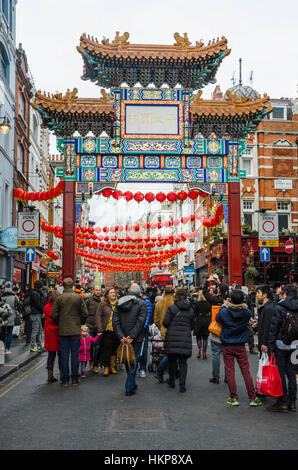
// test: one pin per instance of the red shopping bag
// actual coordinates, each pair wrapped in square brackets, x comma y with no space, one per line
[271,381]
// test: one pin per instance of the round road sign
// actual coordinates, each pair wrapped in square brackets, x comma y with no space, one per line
[28,226]
[289,247]
[268,226]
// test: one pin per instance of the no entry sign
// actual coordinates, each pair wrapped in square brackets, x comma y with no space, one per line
[289,247]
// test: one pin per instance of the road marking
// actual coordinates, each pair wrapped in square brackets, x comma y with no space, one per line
[21,378]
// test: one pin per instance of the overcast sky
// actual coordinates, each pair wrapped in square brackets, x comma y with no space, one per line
[262,32]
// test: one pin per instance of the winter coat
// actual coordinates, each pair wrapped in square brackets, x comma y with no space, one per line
[37,302]
[103,314]
[149,311]
[234,319]
[202,311]
[84,353]
[92,306]
[179,321]
[51,335]
[212,299]
[265,314]
[129,318]
[11,300]
[160,310]
[5,313]
[69,312]
[290,304]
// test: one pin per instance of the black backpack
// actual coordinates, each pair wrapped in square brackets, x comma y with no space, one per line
[289,331]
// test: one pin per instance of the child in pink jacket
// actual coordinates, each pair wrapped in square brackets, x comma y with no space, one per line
[84,354]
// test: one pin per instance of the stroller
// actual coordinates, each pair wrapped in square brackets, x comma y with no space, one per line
[157,344]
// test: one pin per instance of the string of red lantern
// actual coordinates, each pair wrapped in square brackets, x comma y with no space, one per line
[39,196]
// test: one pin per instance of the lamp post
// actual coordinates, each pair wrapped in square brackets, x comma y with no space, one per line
[5,126]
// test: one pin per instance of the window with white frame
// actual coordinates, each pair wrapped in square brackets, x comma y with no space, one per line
[21,104]
[283,206]
[248,208]
[20,158]
[283,210]
[247,165]
[248,205]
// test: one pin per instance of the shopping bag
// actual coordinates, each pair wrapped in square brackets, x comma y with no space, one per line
[215,328]
[271,381]
[264,361]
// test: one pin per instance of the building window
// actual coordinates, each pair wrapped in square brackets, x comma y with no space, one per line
[35,128]
[21,104]
[283,206]
[248,205]
[289,113]
[4,62]
[5,8]
[20,158]
[248,219]
[278,113]
[6,220]
[247,165]
[283,222]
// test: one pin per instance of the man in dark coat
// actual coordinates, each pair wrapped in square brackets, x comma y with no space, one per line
[179,321]
[69,313]
[92,306]
[267,309]
[37,303]
[279,345]
[129,318]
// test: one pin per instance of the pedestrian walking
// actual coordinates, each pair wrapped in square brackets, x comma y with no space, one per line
[51,338]
[144,352]
[265,313]
[109,340]
[160,310]
[202,311]
[92,304]
[69,313]
[234,318]
[37,303]
[5,313]
[85,344]
[280,342]
[128,323]
[179,321]
[11,300]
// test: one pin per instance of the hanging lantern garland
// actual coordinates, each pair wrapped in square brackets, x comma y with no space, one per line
[39,196]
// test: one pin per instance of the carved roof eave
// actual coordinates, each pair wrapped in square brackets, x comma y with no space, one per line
[71,105]
[182,50]
[232,107]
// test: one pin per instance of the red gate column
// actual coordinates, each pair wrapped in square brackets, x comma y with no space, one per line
[69,233]
[234,235]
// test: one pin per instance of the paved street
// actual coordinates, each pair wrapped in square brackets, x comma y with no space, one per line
[97,414]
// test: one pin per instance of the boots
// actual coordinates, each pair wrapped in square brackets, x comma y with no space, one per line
[51,378]
[199,353]
[112,365]
[106,372]
[204,355]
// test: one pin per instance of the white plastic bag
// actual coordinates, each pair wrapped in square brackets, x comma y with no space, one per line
[264,361]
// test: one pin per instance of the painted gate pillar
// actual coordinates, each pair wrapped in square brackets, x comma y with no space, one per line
[69,232]
[234,234]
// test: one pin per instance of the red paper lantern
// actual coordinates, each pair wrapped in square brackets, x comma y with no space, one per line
[182,195]
[160,197]
[149,197]
[117,194]
[128,196]
[172,197]
[107,192]
[193,194]
[139,197]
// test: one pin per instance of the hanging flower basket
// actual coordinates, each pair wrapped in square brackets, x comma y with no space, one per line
[251,272]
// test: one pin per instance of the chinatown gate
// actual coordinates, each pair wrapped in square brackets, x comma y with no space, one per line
[160,135]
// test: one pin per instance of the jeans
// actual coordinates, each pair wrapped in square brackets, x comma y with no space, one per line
[143,358]
[230,353]
[131,372]
[216,350]
[70,346]
[51,360]
[162,366]
[8,337]
[286,370]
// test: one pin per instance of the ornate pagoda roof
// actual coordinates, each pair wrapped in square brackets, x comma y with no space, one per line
[69,113]
[112,63]
[233,116]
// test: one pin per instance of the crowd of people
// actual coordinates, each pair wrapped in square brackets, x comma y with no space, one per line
[84,330]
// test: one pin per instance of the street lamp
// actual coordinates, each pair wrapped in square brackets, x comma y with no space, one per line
[5,126]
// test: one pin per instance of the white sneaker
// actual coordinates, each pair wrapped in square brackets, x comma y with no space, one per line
[7,352]
[142,373]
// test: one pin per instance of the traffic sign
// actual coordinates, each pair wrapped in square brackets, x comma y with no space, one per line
[289,247]
[28,228]
[264,254]
[30,255]
[270,243]
[268,227]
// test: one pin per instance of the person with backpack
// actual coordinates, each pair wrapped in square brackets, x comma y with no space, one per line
[283,333]
[179,321]
[9,297]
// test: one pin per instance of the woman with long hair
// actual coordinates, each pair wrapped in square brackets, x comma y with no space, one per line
[51,337]
[202,311]
[108,340]
[179,321]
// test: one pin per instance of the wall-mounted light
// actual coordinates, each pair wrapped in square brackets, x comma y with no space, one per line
[5,126]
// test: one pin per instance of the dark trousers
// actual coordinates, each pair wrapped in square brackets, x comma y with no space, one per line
[51,360]
[70,348]
[286,371]
[28,328]
[108,348]
[230,353]
[181,359]
[94,348]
